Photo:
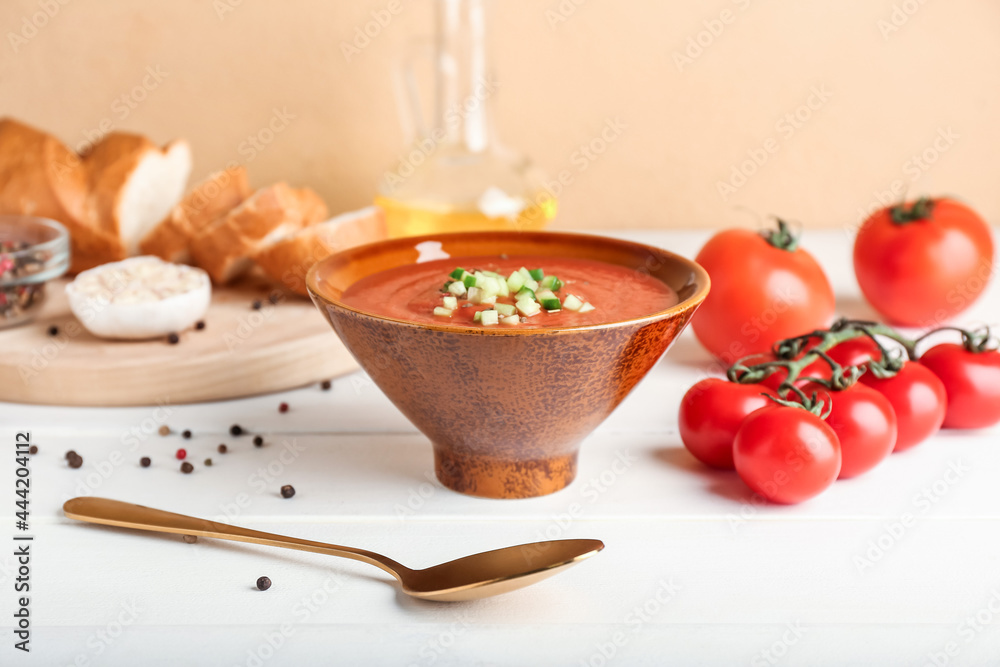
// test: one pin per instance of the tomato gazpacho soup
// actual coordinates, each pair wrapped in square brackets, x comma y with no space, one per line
[515,291]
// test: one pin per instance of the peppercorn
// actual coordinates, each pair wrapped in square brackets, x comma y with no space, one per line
[258,441]
[283,408]
[145,461]
[186,468]
[164,430]
[325,385]
[33,449]
[256,305]
[173,338]
[190,539]
[76,461]
[263,583]
[53,330]
[274,297]
[186,434]
[223,449]
[235,430]
[71,454]
[208,463]
[181,454]
[199,325]
[287,491]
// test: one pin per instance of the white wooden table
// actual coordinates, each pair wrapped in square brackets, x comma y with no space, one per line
[693,573]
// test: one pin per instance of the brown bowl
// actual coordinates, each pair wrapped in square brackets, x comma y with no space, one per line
[514,434]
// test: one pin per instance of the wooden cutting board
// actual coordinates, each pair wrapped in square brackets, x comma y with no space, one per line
[240,352]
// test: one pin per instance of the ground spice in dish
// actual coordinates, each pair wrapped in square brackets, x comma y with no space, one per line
[235,430]
[164,430]
[287,491]
[263,583]
[223,449]
[186,468]
[145,461]
[181,454]
[283,408]
[258,441]
[17,299]
[33,449]
[173,338]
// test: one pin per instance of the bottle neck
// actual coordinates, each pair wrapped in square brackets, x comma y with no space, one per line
[462,110]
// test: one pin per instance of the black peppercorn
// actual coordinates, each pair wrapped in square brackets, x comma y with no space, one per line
[145,461]
[186,434]
[186,468]
[235,430]
[325,385]
[287,491]
[274,298]
[76,461]
[263,583]
[223,449]
[33,449]
[208,462]
[173,338]
[258,441]
[71,454]
[53,330]
[199,325]
[256,305]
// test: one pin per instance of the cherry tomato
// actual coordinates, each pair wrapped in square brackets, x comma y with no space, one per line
[786,454]
[855,351]
[917,397]
[865,424]
[760,294]
[921,263]
[711,413]
[972,381]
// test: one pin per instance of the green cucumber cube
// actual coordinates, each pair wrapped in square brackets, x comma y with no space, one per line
[442,312]
[490,317]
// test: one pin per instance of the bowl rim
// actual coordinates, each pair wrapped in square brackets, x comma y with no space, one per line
[702,281]
[56,265]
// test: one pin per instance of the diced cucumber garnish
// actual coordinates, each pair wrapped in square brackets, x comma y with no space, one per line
[442,312]
[515,282]
[537,274]
[531,284]
[450,302]
[545,294]
[528,308]
[457,273]
[488,300]
[490,317]
[572,302]
[550,304]
[504,290]
[469,280]
[505,309]
[475,295]
[478,317]
[524,273]
[511,320]
[525,293]
[490,286]
[586,308]
[551,282]
[457,288]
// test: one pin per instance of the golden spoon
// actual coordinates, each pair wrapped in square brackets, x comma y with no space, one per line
[470,578]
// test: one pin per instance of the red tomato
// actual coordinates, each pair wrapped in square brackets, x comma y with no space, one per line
[864,423]
[972,381]
[917,397]
[760,294]
[786,454]
[920,264]
[855,351]
[711,413]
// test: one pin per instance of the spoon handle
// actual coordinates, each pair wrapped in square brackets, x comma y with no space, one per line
[129,515]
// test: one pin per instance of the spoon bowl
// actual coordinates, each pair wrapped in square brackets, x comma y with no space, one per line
[470,578]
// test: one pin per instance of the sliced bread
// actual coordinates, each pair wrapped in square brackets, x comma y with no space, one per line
[288,260]
[207,202]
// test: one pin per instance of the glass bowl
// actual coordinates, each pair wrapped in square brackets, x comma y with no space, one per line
[33,251]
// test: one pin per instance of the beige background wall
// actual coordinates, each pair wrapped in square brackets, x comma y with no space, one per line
[225,65]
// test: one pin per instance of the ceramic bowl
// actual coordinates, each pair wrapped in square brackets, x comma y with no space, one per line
[514,434]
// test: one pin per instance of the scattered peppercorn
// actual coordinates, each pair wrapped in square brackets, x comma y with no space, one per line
[76,461]
[164,430]
[190,539]
[274,298]
[256,305]
[53,330]
[223,449]
[199,325]
[33,449]
[186,468]
[235,430]
[71,454]
[325,385]
[181,454]
[208,463]
[283,408]
[145,461]
[263,583]
[186,434]
[173,338]
[287,491]
[258,441]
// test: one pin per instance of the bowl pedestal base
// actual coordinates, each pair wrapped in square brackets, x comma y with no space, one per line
[489,477]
